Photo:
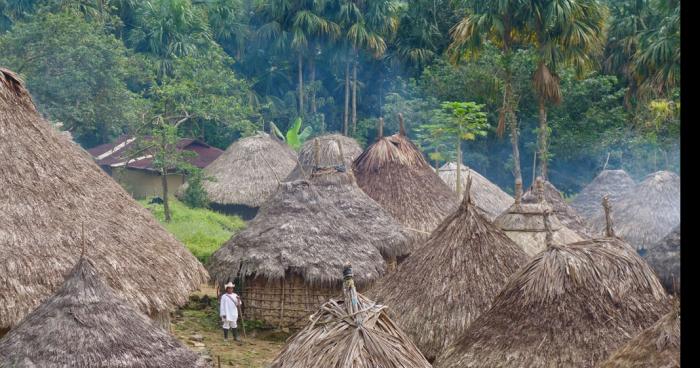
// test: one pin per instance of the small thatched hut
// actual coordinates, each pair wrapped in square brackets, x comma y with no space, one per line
[486,195]
[247,174]
[289,254]
[328,153]
[445,284]
[50,190]
[524,224]
[352,332]
[570,306]
[648,212]
[393,172]
[613,183]
[85,324]
[665,258]
[563,211]
[657,346]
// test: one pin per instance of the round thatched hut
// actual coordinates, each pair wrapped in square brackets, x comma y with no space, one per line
[328,153]
[657,346]
[563,211]
[665,258]
[247,174]
[486,195]
[613,183]
[350,332]
[50,190]
[85,324]
[393,172]
[648,212]
[445,284]
[570,306]
[289,254]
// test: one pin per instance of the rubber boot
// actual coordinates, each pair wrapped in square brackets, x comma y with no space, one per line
[236,335]
[225,334]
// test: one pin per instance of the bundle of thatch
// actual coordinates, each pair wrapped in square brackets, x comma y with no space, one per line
[446,284]
[290,252]
[563,211]
[352,332]
[665,258]
[613,183]
[85,324]
[648,212]
[50,190]
[485,194]
[393,172]
[657,346]
[248,173]
[328,154]
[570,306]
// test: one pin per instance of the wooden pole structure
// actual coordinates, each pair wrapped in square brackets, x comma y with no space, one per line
[609,231]
[380,129]
[402,128]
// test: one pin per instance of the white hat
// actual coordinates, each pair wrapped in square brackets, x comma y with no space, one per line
[229,285]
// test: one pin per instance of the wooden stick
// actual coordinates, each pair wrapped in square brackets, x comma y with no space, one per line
[240,315]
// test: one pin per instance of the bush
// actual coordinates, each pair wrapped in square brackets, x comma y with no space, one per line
[195,196]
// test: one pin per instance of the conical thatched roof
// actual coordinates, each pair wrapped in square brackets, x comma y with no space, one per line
[657,346]
[249,171]
[329,154]
[648,212]
[445,284]
[353,332]
[613,183]
[665,258]
[485,194]
[298,231]
[393,172]
[85,324]
[50,190]
[570,306]
[564,212]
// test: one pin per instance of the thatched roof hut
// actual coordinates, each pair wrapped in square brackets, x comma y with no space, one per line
[485,194]
[657,346]
[393,172]
[648,212]
[85,324]
[50,190]
[665,258]
[613,183]
[570,306]
[352,332]
[248,173]
[445,284]
[564,212]
[290,252]
[328,154]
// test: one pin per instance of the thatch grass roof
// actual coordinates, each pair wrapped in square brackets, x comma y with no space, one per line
[353,332]
[657,346]
[665,258]
[298,231]
[445,284]
[613,183]
[564,212]
[85,324]
[393,172]
[570,306]
[485,194]
[328,154]
[50,190]
[648,212]
[249,171]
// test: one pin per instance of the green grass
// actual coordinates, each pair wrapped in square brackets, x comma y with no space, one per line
[203,231]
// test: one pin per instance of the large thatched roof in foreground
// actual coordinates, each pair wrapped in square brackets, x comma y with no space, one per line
[353,332]
[648,212]
[445,284]
[328,154]
[50,190]
[570,306]
[393,172]
[665,258]
[85,324]
[564,212]
[298,231]
[613,183]
[249,171]
[485,194]
[657,346]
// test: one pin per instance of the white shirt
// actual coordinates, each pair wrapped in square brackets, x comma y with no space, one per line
[228,308]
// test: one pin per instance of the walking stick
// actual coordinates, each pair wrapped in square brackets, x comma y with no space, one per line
[240,314]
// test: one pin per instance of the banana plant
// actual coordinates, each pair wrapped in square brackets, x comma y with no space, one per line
[295,136]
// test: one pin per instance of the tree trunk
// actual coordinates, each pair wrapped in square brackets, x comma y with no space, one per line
[166,203]
[354,93]
[347,97]
[513,122]
[459,169]
[543,139]
[301,84]
[313,86]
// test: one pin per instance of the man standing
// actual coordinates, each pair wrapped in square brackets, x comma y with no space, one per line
[230,302]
